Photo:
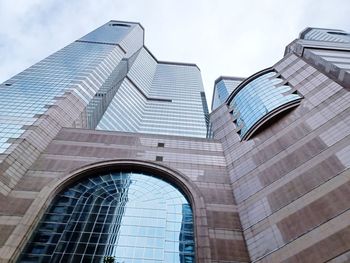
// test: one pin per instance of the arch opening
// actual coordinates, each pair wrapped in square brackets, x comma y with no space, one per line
[123,215]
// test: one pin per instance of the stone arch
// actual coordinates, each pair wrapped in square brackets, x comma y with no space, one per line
[176,178]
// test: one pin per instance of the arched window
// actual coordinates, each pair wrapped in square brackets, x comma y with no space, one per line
[259,98]
[115,217]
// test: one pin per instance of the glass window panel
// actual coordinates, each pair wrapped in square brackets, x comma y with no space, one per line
[147,217]
[258,98]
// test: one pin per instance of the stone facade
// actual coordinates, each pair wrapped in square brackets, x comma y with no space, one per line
[291,180]
[198,166]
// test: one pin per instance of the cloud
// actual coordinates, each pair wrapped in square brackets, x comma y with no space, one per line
[224,37]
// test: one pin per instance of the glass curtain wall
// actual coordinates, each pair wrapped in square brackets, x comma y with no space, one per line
[115,217]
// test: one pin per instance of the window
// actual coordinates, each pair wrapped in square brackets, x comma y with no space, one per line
[130,217]
[262,97]
[119,24]
[338,33]
[159,158]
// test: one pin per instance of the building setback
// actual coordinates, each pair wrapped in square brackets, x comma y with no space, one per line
[104,154]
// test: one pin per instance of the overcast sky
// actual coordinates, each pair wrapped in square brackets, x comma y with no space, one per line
[223,37]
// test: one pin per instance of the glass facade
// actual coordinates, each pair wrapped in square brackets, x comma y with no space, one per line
[222,89]
[124,87]
[158,98]
[132,217]
[110,33]
[140,94]
[98,105]
[327,35]
[82,68]
[27,95]
[259,99]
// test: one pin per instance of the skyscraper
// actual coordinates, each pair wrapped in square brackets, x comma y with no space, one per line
[105,156]
[107,80]
[223,87]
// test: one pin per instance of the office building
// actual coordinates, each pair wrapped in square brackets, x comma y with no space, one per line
[285,134]
[107,81]
[87,178]
[223,87]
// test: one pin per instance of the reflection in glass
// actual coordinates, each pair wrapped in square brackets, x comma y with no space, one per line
[132,217]
[224,86]
[259,99]
[38,87]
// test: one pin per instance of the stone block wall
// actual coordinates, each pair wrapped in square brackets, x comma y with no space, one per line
[201,163]
[291,180]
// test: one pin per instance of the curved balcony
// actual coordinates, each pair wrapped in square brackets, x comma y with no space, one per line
[259,98]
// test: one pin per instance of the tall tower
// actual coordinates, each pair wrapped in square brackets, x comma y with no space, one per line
[106,80]
[55,93]
[157,97]
[223,87]
[107,83]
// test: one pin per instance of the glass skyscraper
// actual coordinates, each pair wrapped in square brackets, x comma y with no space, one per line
[117,84]
[157,97]
[107,80]
[223,87]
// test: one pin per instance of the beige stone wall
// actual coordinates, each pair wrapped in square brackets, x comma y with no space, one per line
[200,163]
[291,181]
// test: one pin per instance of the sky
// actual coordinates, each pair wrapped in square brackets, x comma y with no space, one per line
[223,37]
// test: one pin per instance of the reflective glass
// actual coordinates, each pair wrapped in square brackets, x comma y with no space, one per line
[257,99]
[222,90]
[178,110]
[132,217]
[111,33]
[328,35]
[28,95]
